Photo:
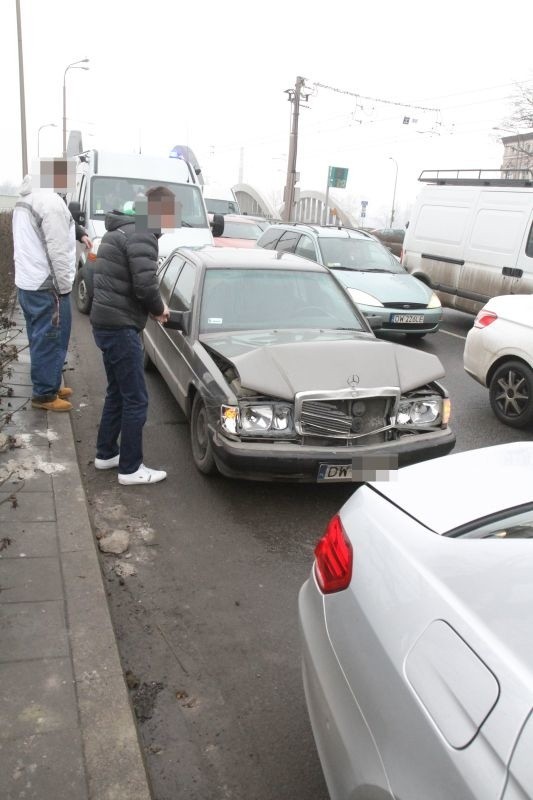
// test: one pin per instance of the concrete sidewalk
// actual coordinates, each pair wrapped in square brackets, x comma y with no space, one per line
[67,730]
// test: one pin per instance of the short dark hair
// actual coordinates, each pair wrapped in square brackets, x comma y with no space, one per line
[158,193]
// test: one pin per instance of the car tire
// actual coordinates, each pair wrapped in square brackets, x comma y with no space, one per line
[511,394]
[82,297]
[202,450]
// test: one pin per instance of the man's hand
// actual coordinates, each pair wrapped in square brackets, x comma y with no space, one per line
[163,317]
[87,242]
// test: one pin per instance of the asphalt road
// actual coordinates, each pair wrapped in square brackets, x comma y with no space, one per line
[207,626]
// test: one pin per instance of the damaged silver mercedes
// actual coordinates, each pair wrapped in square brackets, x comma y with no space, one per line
[281,376]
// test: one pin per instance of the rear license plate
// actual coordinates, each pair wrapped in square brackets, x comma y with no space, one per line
[334,472]
[407,319]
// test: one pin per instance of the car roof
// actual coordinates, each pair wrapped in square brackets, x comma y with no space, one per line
[326,231]
[247,258]
[455,490]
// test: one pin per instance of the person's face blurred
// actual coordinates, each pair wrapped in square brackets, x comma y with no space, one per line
[162,213]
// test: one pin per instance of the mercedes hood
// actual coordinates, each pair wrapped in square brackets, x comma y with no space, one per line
[282,369]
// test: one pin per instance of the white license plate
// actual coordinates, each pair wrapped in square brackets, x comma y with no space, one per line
[407,319]
[334,472]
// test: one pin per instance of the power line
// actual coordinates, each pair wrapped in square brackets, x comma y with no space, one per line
[374,99]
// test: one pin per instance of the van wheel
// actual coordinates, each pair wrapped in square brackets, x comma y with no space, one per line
[81,294]
[511,394]
[202,450]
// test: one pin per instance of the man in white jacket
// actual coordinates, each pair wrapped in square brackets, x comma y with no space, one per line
[45,262]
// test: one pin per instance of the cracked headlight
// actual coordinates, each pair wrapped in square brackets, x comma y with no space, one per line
[257,418]
[420,411]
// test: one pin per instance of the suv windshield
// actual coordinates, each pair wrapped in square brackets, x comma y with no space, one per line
[267,299]
[360,254]
[221,206]
[119,194]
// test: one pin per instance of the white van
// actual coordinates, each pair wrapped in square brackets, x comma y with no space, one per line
[220,199]
[111,181]
[470,236]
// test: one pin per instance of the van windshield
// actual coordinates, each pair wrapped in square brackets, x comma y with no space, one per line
[119,194]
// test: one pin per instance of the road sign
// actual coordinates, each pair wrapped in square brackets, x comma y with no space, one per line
[337,177]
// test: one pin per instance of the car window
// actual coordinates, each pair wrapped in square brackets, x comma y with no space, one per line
[529,245]
[362,254]
[270,238]
[168,277]
[505,525]
[241,230]
[288,241]
[267,299]
[183,291]
[306,248]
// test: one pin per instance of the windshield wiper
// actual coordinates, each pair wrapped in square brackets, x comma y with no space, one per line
[360,269]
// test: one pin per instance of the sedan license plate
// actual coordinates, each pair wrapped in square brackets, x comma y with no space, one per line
[407,319]
[334,472]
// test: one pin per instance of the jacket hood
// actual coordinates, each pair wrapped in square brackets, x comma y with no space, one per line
[26,186]
[115,219]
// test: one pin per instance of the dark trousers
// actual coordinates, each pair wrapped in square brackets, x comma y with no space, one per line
[48,321]
[126,400]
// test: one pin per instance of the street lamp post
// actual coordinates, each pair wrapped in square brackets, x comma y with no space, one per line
[394,192]
[46,125]
[75,65]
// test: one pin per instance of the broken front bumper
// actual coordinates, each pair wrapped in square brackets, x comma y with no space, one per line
[289,461]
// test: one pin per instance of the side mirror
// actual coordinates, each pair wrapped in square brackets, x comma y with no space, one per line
[217,225]
[179,321]
[77,214]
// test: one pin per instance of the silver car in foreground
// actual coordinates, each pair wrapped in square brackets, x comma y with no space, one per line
[417,629]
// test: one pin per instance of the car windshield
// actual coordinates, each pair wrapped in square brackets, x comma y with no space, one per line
[215,206]
[241,230]
[359,254]
[119,194]
[267,299]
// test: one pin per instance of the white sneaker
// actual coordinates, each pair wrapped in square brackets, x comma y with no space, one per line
[143,475]
[106,463]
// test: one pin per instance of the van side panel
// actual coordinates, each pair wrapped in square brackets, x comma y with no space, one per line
[469,243]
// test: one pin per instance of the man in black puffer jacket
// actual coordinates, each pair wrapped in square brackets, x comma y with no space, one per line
[125,292]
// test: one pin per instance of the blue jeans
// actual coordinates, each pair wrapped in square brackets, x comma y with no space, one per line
[48,321]
[126,400]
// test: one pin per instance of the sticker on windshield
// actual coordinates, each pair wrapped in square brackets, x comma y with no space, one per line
[333,264]
[214,320]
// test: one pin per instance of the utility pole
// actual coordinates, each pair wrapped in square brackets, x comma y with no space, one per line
[24,145]
[292,175]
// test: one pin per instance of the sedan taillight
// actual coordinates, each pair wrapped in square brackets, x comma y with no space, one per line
[485,318]
[334,558]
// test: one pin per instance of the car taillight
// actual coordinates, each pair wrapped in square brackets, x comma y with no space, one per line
[485,318]
[334,558]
